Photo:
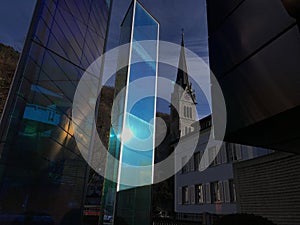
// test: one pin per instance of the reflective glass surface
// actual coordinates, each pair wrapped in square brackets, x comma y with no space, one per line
[133,120]
[139,116]
[43,174]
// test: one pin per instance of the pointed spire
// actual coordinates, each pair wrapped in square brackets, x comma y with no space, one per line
[182,37]
[182,76]
[182,73]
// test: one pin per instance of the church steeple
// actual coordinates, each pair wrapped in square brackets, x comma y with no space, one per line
[183,110]
[182,76]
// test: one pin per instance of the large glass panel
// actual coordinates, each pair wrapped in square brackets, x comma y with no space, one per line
[139,120]
[133,119]
[110,187]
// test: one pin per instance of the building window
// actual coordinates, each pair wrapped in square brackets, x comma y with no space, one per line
[207,193]
[214,157]
[234,152]
[185,195]
[216,192]
[191,164]
[226,191]
[187,130]
[197,160]
[211,151]
[229,191]
[223,154]
[217,159]
[187,165]
[232,191]
[237,152]
[184,164]
[199,194]
[186,112]
[229,152]
[179,196]
[192,194]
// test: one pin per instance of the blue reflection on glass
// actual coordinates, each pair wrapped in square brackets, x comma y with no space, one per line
[139,120]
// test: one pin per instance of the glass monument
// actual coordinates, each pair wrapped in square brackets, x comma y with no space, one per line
[133,120]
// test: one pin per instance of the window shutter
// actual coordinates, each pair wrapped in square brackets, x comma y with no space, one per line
[201,194]
[179,196]
[192,194]
[238,152]
[233,190]
[226,191]
[187,195]
[197,160]
[223,154]
[218,157]
[207,193]
[221,191]
[192,161]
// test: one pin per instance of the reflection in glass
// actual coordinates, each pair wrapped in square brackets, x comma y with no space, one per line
[42,172]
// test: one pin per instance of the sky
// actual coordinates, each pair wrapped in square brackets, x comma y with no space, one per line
[15,17]
[173,16]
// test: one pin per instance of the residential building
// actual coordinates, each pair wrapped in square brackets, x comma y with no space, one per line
[201,194]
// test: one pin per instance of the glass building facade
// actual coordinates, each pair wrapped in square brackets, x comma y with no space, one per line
[261,64]
[42,173]
[133,120]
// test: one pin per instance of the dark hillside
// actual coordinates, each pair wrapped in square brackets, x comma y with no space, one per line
[8,63]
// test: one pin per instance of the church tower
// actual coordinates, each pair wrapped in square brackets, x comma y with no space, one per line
[183,98]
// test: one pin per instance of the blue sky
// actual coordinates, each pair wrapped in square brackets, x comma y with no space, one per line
[15,17]
[173,16]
